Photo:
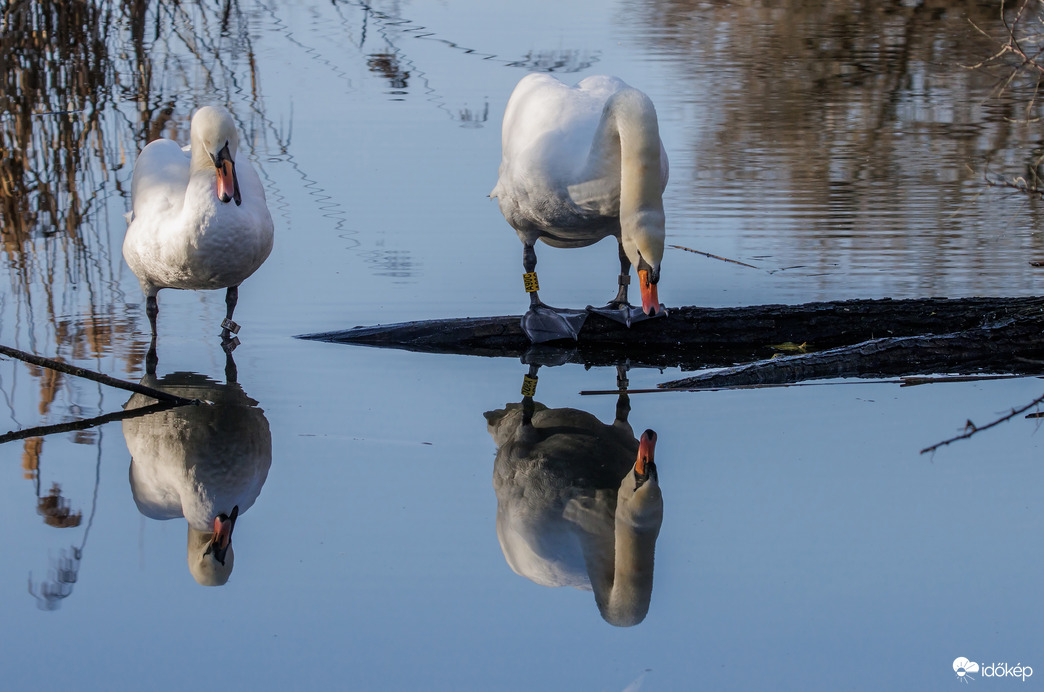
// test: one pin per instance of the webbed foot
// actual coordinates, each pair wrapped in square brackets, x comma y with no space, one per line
[543,323]
[625,313]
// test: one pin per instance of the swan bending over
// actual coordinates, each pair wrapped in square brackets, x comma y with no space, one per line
[580,164]
[199,218]
[578,503]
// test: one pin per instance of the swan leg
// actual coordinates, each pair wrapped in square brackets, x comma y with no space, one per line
[624,280]
[151,358]
[529,383]
[623,401]
[152,310]
[542,322]
[529,262]
[231,298]
[229,328]
[619,309]
[231,371]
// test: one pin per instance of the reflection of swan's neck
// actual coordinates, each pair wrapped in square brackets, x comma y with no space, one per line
[623,587]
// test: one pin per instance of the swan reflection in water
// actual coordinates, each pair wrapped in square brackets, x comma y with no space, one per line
[578,502]
[206,463]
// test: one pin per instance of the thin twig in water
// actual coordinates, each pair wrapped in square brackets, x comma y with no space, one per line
[1020,184]
[73,426]
[707,254]
[95,376]
[909,381]
[971,428]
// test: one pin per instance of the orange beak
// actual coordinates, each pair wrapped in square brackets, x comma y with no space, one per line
[646,453]
[223,526]
[650,303]
[226,181]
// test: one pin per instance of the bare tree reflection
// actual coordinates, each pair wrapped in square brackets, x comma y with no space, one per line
[564,60]
[474,119]
[57,512]
[62,577]
[861,108]
[84,84]
[387,65]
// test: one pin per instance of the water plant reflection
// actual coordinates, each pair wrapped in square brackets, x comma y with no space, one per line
[206,463]
[578,501]
[57,511]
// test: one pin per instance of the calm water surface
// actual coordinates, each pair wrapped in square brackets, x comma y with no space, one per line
[841,148]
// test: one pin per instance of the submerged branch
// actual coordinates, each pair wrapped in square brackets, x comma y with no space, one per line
[73,426]
[971,429]
[95,376]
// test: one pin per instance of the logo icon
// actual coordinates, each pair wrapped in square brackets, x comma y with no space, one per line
[963,667]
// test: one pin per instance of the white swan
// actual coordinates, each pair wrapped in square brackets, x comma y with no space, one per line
[205,463]
[578,504]
[580,164]
[199,218]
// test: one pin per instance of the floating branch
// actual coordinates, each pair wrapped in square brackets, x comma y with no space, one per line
[707,254]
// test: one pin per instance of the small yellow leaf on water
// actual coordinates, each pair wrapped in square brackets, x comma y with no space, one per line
[791,346]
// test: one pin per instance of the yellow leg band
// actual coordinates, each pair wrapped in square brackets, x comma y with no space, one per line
[529,280]
[529,385]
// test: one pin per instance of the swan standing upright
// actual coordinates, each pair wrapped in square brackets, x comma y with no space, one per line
[578,503]
[199,218]
[580,164]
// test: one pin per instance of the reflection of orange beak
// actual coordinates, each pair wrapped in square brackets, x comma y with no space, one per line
[223,526]
[226,181]
[646,453]
[650,303]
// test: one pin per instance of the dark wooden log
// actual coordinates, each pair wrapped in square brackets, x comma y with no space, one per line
[694,337]
[1007,348]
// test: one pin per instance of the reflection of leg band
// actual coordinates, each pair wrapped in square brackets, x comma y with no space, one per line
[529,383]
[529,280]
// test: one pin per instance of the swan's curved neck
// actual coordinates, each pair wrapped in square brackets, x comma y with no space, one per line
[628,137]
[199,157]
[622,574]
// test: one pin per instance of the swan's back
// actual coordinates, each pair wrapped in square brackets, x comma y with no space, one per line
[161,177]
[547,135]
[559,177]
[197,461]
[565,455]
[549,126]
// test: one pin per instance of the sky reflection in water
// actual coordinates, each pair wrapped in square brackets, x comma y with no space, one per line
[804,542]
